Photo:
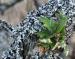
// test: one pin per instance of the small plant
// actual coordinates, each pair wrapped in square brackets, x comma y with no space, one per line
[53,33]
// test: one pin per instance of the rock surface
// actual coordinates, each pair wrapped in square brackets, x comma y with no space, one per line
[24,38]
[5,36]
[14,14]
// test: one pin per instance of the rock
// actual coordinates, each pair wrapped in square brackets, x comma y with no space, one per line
[5,36]
[25,38]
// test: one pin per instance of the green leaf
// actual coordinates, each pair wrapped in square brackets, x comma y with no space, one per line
[62,35]
[43,34]
[47,40]
[62,22]
[61,38]
[48,23]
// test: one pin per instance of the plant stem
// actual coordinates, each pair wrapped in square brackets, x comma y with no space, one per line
[56,45]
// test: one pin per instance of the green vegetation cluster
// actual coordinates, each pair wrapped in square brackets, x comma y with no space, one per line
[52,36]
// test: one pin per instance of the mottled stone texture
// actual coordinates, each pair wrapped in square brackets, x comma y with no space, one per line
[25,40]
[5,39]
[13,14]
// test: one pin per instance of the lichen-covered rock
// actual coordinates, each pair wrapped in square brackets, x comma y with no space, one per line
[25,40]
[5,36]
